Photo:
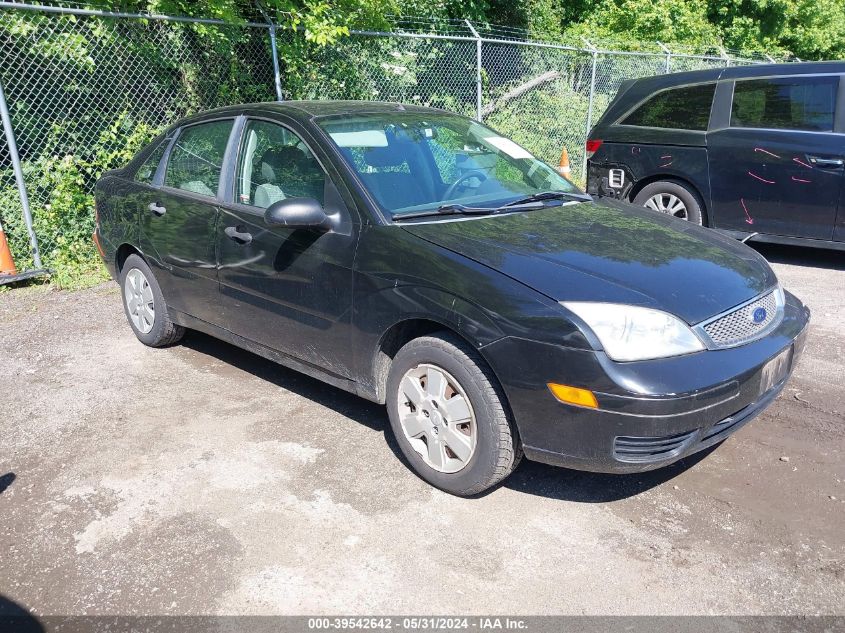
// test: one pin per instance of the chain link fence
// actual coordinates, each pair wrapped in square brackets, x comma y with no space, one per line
[85,89]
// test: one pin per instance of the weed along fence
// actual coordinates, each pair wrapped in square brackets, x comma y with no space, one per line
[83,90]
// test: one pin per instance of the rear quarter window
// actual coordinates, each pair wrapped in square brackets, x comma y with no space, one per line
[684,108]
[147,171]
[792,103]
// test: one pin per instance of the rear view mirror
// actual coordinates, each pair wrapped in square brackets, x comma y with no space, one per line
[297,213]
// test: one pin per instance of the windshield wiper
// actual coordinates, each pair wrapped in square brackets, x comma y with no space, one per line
[528,203]
[449,209]
[549,195]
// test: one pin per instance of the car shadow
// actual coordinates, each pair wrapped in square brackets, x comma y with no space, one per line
[579,486]
[801,256]
[15,618]
[368,414]
[529,478]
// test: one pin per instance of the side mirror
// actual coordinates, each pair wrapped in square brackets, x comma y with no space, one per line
[297,213]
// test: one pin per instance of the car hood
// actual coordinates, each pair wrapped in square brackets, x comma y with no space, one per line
[610,251]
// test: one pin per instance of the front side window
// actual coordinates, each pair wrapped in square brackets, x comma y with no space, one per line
[147,171]
[196,160]
[686,108]
[414,162]
[274,164]
[790,103]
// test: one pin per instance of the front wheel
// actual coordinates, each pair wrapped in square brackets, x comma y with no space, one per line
[144,305]
[448,415]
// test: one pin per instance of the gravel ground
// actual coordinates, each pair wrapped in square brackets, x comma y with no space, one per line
[203,479]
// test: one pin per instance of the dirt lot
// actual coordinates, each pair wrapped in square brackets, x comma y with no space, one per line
[203,479]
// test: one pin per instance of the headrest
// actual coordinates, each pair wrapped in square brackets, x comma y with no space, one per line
[390,156]
[276,158]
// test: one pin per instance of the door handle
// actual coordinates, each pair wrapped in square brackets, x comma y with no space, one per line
[826,163]
[157,209]
[235,235]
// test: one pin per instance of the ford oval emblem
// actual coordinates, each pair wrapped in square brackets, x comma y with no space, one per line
[759,315]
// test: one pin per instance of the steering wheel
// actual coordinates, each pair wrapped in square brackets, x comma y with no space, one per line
[472,173]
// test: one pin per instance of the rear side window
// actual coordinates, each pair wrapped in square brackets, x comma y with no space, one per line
[197,158]
[791,103]
[686,108]
[147,171]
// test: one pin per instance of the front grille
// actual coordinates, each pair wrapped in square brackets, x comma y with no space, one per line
[739,326]
[650,449]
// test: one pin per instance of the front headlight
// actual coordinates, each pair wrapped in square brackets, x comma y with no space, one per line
[635,333]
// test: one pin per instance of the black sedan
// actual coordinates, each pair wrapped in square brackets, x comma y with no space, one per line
[420,259]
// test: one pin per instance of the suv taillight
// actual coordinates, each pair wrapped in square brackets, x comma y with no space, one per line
[592,147]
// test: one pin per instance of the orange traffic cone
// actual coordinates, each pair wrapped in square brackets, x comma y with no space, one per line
[563,166]
[7,262]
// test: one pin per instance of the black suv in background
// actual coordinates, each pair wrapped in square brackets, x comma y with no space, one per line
[756,151]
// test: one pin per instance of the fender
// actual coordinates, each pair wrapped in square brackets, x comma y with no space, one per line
[390,307]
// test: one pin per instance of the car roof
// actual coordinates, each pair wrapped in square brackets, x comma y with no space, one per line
[307,110]
[746,71]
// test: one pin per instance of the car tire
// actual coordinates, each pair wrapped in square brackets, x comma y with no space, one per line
[666,195]
[441,456]
[144,305]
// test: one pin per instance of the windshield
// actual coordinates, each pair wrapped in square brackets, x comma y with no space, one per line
[418,161]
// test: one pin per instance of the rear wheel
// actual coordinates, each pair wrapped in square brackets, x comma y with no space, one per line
[144,305]
[448,415]
[672,198]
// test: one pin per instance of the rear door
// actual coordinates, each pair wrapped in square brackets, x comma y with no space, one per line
[776,164]
[179,219]
[287,289]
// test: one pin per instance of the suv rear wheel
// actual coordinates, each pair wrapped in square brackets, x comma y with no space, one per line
[672,198]
[448,415]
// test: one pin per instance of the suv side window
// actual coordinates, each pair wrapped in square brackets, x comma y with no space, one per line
[792,103]
[197,158]
[685,108]
[147,171]
[274,164]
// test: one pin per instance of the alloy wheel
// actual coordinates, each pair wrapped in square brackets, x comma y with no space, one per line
[668,203]
[140,303]
[437,418]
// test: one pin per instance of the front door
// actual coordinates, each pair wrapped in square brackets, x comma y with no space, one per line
[778,167]
[179,218]
[288,289]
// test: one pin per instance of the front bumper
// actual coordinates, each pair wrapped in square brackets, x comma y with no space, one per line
[650,413]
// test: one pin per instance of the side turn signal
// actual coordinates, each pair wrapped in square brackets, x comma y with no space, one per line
[573,395]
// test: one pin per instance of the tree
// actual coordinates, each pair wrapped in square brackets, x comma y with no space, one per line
[810,29]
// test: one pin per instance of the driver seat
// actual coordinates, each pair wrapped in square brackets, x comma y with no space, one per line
[394,184]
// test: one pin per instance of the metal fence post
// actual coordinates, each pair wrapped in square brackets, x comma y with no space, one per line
[16,166]
[666,50]
[595,54]
[277,76]
[478,86]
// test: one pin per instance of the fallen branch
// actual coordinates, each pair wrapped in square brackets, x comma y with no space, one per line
[520,90]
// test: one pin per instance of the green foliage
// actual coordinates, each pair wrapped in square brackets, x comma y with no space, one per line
[65,222]
[667,21]
[811,29]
